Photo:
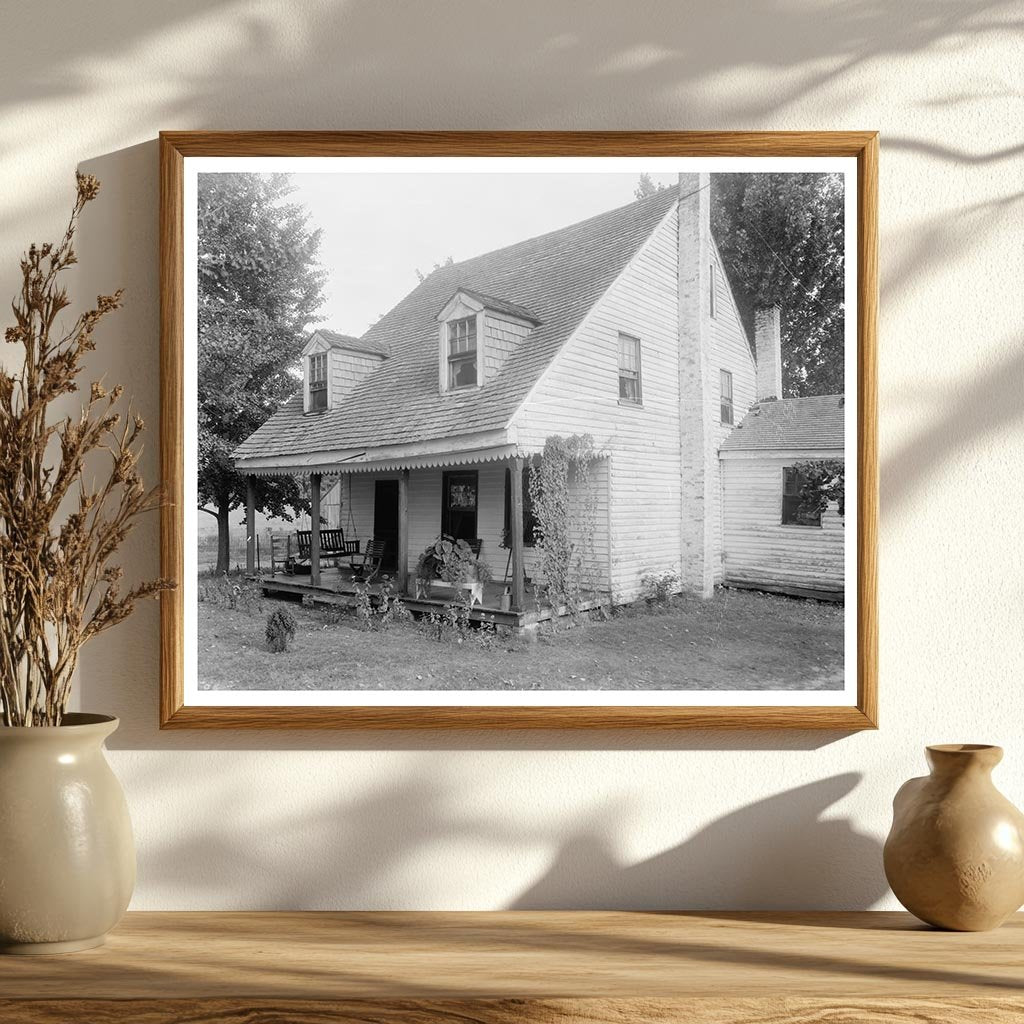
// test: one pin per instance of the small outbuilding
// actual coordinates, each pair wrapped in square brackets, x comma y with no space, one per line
[770,539]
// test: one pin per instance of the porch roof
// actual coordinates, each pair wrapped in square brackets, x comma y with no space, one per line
[374,462]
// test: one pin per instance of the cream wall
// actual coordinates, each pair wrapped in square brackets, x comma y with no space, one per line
[490,820]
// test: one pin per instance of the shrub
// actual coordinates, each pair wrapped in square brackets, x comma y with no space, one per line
[451,623]
[379,610]
[364,606]
[658,588]
[280,630]
[227,591]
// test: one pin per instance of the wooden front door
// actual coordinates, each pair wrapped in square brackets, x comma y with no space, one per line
[385,521]
[458,505]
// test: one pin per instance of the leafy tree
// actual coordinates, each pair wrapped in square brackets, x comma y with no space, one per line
[646,186]
[259,287]
[824,481]
[781,238]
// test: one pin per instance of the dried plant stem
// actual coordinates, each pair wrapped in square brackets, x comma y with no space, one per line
[58,585]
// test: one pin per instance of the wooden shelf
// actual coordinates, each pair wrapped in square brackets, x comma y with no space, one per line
[500,968]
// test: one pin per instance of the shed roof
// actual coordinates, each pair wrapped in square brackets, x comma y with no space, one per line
[557,278]
[790,423]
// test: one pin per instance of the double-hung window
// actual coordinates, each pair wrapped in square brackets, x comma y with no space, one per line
[630,385]
[793,512]
[318,381]
[462,368]
[726,397]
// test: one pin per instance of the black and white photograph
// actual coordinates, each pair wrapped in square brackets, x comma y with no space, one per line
[533,430]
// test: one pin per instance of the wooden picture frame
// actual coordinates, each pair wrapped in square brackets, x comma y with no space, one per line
[177,147]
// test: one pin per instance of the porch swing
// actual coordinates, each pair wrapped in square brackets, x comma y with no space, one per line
[370,560]
[333,546]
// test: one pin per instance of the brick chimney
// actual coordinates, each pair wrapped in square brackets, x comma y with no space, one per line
[699,450]
[768,345]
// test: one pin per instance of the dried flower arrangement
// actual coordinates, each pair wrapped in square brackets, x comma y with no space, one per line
[58,586]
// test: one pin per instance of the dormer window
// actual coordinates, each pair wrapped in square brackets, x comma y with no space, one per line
[462,371]
[318,381]
[476,335]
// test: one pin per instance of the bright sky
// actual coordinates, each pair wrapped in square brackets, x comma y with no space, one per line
[379,228]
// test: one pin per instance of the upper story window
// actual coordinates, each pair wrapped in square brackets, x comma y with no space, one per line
[630,384]
[477,333]
[793,512]
[726,397]
[462,363]
[318,381]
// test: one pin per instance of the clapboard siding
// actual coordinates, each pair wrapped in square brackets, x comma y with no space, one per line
[757,548]
[730,351]
[579,394]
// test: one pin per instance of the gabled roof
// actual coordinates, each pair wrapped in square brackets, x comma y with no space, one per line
[499,305]
[790,423]
[558,277]
[347,343]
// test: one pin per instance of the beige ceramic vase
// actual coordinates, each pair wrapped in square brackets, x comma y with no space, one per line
[67,860]
[955,854]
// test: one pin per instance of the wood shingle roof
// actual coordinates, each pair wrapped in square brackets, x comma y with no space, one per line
[556,278]
[790,423]
[347,343]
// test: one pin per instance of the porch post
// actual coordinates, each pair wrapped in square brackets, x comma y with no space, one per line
[516,527]
[403,531]
[314,523]
[250,525]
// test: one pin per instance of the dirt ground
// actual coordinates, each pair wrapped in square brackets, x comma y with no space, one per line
[738,640]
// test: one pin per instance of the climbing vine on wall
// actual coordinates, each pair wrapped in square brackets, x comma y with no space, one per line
[565,508]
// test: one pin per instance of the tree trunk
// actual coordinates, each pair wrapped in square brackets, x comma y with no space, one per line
[223,537]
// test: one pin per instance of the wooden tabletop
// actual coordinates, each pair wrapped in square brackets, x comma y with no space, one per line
[524,966]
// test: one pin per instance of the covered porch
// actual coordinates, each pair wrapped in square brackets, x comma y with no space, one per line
[401,505]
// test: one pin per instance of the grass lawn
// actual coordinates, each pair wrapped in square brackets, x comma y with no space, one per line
[738,640]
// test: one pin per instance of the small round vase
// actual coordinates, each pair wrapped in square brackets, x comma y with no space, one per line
[67,859]
[955,854]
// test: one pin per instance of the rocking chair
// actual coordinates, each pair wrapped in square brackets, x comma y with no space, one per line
[369,562]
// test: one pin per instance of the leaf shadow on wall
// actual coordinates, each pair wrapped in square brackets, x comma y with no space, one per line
[344,49]
[353,64]
[975,409]
[780,852]
[394,847]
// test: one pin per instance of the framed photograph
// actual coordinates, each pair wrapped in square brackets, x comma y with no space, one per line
[519,430]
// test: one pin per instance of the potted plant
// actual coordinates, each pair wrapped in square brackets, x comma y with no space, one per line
[67,860]
[450,564]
